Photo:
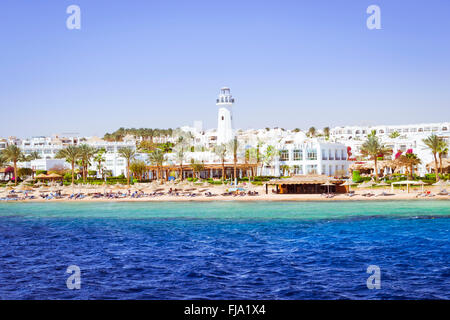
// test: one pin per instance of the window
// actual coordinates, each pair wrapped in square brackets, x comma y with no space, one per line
[298,154]
[311,169]
[330,172]
[413,129]
[323,169]
[343,156]
[337,155]
[420,129]
[298,169]
[311,155]
[284,155]
[444,128]
[324,154]
[330,155]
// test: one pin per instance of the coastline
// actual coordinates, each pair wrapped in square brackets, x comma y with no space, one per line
[262,198]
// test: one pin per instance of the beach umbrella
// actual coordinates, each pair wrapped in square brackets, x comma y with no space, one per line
[363,185]
[28,180]
[420,182]
[383,184]
[440,183]
[43,189]
[407,182]
[23,187]
[348,183]
[328,184]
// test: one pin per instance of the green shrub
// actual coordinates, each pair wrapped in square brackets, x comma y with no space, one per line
[41,172]
[356,177]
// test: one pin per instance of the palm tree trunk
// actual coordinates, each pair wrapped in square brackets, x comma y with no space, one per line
[376,168]
[73,171]
[15,172]
[436,168]
[440,164]
[234,164]
[181,172]
[128,173]
[223,170]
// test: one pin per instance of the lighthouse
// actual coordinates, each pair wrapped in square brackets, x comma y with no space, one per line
[225,118]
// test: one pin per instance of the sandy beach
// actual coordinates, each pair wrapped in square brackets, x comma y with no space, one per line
[199,194]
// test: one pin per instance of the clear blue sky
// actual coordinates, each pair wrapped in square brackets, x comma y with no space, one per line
[161,64]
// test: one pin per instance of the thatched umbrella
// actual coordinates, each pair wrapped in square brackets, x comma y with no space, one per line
[328,184]
[43,189]
[440,183]
[28,180]
[24,187]
[383,184]
[407,182]
[420,182]
[348,184]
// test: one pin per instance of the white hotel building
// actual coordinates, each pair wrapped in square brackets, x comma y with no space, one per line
[409,137]
[313,156]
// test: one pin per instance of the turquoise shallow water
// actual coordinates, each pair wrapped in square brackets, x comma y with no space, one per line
[229,210]
[225,250]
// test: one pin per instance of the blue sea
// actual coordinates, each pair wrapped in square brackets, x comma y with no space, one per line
[225,250]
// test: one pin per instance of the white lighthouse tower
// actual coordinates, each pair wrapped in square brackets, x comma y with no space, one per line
[225,118]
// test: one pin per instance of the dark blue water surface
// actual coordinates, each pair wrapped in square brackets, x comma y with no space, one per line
[225,250]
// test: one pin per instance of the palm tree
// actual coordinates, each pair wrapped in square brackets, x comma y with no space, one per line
[221,151]
[259,156]
[443,150]
[326,132]
[3,161]
[138,168]
[373,149]
[197,167]
[312,132]
[71,154]
[157,158]
[269,155]
[98,158]
[33,156]
[434,143]
[234,148]
[13,154]
[180,156]
[129,154]
[409,161]
[86,153]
